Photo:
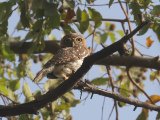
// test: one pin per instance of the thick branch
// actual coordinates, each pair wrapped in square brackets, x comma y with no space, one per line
[94,90]
[131,61]
[33,106]
[23,47]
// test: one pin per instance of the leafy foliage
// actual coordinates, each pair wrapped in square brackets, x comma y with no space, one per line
[38,20]
[100,81]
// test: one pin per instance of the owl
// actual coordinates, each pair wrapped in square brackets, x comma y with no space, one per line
[67,60]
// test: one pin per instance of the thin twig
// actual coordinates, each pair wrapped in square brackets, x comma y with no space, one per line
[112,86]
[129,25]
[1,94]
[97,4]
[134,83]
[103,108]
[92,42]
[103,19]
[5,18]
[111,112]
[90,88]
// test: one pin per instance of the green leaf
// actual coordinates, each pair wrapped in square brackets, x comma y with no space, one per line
[123,89]
[3,89]
[39,14]
[5,9]
[26,117]
[75,102]
[78,14]
[90,1]
[84,16]
[35,5]
[112,36]
[135,8]
[51,84]
[61,107]
[96,16]
[27,92]
[103,37]
[84,21]
[20,70]
[156,29]
[45,113]
[37,26]
[120,32]
[3,28]
[7,53]
[5,13]
[51,12]
[12,95]
[30,74]
[69,97]
[110,3]
[100,81]
[156,10]
[6,91]
[136,11]
[23,16]
[144,30]
[3,81]
[121,104]
[68,3]
[29,35]
[153,76]
[97,37]
[14,84]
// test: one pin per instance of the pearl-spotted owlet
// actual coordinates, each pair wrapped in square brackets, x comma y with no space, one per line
[68,58]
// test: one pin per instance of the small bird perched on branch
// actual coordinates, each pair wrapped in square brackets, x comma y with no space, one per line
[68,58]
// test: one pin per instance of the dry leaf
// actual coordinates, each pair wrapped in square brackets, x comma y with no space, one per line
[154,98]
[149,41]
[144,114]
[70,15]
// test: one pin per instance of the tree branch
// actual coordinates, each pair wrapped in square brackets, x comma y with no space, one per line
[52,95]
[107,19]
[23,47]
[94,90]
[135,84]
[131,61]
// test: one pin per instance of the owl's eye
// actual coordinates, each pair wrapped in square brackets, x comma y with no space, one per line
[79,39]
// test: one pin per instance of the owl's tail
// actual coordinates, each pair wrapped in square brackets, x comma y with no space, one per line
[42,74]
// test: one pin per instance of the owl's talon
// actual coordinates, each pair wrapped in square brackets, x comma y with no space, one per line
[81,94]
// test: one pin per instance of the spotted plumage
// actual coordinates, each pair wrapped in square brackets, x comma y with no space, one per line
[67,59]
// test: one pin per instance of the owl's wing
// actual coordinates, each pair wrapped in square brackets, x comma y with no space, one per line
[43,73]
[47,68]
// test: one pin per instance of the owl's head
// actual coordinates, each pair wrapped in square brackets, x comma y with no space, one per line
[72,40]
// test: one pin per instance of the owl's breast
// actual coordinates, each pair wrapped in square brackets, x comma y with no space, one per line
[64,71]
